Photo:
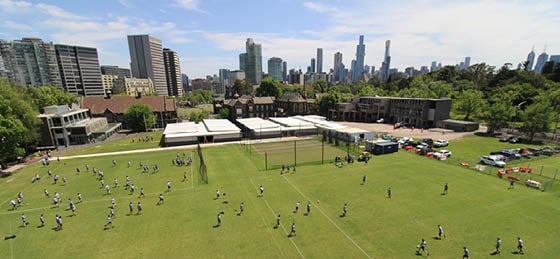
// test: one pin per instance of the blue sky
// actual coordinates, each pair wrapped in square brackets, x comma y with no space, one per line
[210,34]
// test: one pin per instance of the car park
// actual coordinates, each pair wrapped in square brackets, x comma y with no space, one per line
[441,143]
[492,160]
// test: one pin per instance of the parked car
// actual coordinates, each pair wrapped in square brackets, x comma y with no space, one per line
[381,120]
[510,139]
[443,152]
[404,140]
[428,141]
[441,143]
[492,160]
[508,153]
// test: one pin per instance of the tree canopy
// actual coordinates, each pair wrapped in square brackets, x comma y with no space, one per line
[139,117]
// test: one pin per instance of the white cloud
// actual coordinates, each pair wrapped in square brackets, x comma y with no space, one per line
[16,26]
[13,6]
[57,12]
[190,5]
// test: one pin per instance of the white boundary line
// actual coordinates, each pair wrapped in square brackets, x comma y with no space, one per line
[273,213]
[326,216]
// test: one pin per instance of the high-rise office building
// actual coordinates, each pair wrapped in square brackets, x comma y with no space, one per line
[275,68]
[541,61]
[223,77]
[386,65]
[555,58]
[242,60]
[360,56]
[336,66]
[116,71]
[185,79]
[146,60]
[284,71]
[319,60]
[173,72]
[531,60]
[312,66]
[30,61]
[253,64]
[79,70]
[467,63]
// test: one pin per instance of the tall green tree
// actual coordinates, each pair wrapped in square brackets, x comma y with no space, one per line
[498,114]
[470,102]
[269,87]
[242,87]
[19,125]
[50,95]
[537,116]
[139,117]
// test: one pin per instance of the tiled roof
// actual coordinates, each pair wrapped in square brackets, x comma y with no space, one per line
[119,104]
[263,100]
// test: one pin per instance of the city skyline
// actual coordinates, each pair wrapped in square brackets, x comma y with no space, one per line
[420,32]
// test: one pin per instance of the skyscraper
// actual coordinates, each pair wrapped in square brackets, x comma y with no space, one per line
[275,68]
[30,61]
[541,61]
[360,55]
[79,70]
[146,60]
[336,66]
[242,60]
[253,64]
[173,72]
[284,71]
[312,66]
[386,65]
[531,59]
[467,63]
[319,60]
[185,79]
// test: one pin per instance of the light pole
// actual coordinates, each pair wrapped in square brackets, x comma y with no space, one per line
[516,114]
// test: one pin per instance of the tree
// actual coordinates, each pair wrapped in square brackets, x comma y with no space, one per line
[469,102]
[223,113]
[19,125]
[198,116]
[241,87]
[321,85]
[269,87]
[139,117]
[536,118]
[498,114]
[49,95]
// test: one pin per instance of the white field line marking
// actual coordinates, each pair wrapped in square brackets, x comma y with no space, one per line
[155,194]
[274,214]
[326,216]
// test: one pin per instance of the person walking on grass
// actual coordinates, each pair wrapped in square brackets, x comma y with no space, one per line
[440,232]
[109,222]
[23,220]
[389,192]
[466,252]
[498,245]
[364,178]
[141,193]
[131,208]
[293,230]
[520,245]
[278,221]
[139,207]
[219,218]
[161,201]
[261,190]
[241,208]
[422,247]
[445,188]
[344,209]
[308,208]
[297,207]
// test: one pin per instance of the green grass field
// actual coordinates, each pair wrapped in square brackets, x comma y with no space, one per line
[478,208]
